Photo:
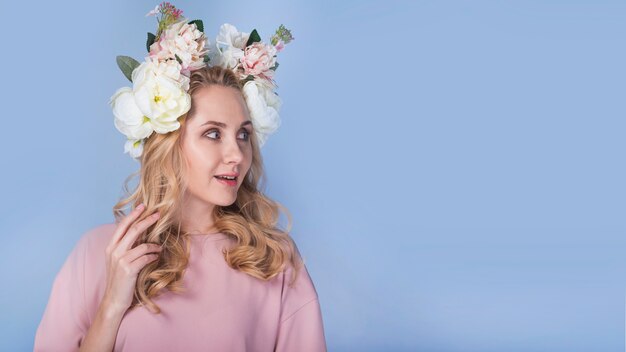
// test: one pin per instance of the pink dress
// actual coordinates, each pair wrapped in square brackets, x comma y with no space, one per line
[222,310]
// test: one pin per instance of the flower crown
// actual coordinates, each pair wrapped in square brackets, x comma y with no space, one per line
[159,95]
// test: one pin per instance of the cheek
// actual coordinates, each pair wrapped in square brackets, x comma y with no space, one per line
[248,164]
[203,161]
[195,160]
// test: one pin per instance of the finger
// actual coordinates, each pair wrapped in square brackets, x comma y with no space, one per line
[142,261]
[135,230]
[142,249]
[123,226]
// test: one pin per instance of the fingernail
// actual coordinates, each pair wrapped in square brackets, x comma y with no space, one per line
[140,206]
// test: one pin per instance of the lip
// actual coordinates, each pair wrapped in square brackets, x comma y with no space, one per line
[231,174]
[227,182]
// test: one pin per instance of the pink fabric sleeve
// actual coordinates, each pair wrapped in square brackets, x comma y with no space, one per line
[303,331]
[65,322]
[301,327]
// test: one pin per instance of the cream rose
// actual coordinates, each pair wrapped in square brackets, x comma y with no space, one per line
[161,93]
[129,120]
[263,105]
[134,147]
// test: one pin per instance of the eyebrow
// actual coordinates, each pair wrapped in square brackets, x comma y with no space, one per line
[221,124]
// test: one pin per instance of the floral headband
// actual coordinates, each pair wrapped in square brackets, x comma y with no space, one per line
[159,95]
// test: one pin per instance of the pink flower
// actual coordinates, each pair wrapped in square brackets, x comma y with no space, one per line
[280,45]
[183,40]
[257,59]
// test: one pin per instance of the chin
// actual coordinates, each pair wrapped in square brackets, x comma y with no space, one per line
[210,198]
[221,201]
[225,203]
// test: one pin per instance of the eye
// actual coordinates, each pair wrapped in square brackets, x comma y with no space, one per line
[212,131]
[245,132]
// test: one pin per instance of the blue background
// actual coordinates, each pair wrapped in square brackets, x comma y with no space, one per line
[454,168]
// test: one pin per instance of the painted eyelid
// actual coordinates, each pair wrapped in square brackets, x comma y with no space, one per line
[217,129]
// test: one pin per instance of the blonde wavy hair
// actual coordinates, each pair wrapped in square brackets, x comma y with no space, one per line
[262,249]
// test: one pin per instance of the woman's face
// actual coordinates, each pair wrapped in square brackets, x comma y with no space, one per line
[216,141]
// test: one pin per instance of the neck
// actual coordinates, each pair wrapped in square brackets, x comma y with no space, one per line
[196,216]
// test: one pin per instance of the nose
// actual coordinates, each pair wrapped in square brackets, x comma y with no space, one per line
[232,152]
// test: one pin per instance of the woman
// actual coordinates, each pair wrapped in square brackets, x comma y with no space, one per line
[199,264]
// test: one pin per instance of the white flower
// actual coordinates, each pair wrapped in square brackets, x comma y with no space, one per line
[183,40]
[263,105]
[134,147]
[229,47]
[160,92]
[128,118]
[155,103]
[266,88]
[170,69]
[153,12]
[229,35]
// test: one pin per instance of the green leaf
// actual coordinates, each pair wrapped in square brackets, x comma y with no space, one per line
[178,59]
[253,38]
[199,25]
[127,64]
[150,41]
[247,79]
[206,58]
[275,66]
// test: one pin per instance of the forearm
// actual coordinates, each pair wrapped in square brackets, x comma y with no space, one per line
[103,332]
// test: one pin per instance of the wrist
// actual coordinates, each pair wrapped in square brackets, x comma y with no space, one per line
[108,310]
